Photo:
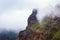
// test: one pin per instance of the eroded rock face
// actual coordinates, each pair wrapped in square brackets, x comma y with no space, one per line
[32,19]
[50,31]
[29,34]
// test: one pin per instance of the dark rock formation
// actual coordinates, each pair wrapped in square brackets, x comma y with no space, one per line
[32,19]
[49,31]
[30,34]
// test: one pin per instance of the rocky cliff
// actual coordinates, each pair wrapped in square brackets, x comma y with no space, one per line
[50,29]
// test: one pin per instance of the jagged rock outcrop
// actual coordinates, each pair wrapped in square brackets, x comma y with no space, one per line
[50,29]
[32,19]
[29,33]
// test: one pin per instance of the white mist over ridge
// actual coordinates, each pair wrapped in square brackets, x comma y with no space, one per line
[15,21]
[52,11]
[14,13]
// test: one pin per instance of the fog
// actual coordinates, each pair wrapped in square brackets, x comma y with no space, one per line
[52,10]
[14,13]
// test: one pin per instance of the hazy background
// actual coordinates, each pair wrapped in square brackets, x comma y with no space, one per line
[14,13]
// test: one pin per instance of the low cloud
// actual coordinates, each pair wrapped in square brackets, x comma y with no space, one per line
[14,13]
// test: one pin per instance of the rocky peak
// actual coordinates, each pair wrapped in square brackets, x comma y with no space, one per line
[32,18]
[50,30]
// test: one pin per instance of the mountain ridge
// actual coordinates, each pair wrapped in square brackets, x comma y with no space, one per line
[50,29]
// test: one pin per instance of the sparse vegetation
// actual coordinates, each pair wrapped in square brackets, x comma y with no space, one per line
[49,29]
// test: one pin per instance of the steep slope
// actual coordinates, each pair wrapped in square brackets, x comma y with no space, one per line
[49,29]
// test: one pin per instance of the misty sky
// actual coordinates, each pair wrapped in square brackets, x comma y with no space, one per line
[14,13]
